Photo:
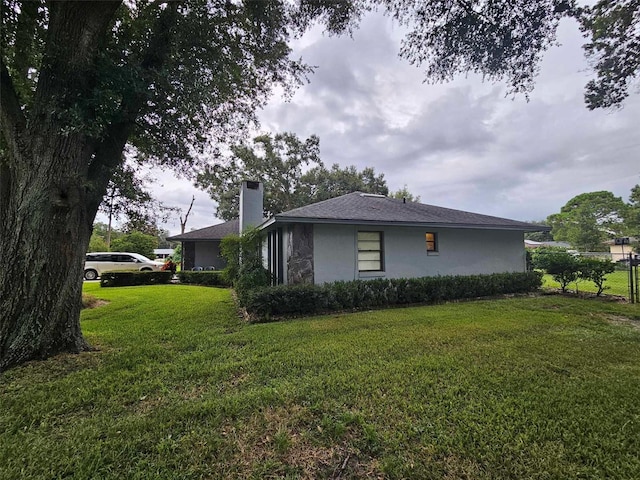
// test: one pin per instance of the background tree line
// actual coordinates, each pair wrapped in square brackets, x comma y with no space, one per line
[127,240]
[292,173]
[589,219]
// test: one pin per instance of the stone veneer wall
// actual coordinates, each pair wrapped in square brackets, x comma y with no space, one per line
[300,254]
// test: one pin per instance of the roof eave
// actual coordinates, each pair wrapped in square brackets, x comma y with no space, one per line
[267,224]
[181,239]
[283,219]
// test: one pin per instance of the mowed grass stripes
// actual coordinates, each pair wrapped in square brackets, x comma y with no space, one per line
[181,387]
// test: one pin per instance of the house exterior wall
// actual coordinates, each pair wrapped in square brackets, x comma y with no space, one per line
[620,252]
[334,253]
[207,254]
[188,255]
[460,252]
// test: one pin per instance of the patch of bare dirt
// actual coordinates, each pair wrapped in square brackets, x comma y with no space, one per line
[546,291]
[283,435]
[621,320]
[89,301]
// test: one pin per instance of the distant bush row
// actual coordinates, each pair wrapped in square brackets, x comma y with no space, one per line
[131,278]
[267,302]
[128,279]
[211,279]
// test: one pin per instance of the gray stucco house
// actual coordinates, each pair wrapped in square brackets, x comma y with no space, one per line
[201,248]
[363,236]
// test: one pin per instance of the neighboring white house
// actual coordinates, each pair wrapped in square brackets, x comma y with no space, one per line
[534,244]
[162,253]
[621,248]
[364,236]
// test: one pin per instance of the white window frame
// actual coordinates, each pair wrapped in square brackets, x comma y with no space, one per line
[364,251]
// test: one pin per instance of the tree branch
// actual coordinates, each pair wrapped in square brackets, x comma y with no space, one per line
[108,153]
[75,34]
[26,37]
[469,8]
[12,118]
[183,223]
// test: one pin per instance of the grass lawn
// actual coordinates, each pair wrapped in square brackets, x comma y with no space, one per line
[616,281]
[540,387]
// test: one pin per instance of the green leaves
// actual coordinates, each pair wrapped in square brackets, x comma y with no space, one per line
[566,268]
[499,40]
[632,213]
[614,28]
[135,242]
[588,219]
[596,270]
[128,279]
[209,278]
[306,299]
[243,254]
[278,161]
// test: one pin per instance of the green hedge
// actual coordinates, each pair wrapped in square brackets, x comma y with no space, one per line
[128,279]
[211,279]
[264,303]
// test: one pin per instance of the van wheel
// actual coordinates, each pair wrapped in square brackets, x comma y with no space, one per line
[146,270]
[90,274]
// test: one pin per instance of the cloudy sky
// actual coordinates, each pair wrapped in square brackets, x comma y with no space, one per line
[462,145]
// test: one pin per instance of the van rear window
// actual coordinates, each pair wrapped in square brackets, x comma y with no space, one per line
[98,258]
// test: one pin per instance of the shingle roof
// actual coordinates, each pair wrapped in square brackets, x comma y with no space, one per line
[215,232]
[546,244]
[364,208]
[360,207]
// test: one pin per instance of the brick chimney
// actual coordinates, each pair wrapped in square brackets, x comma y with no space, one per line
[251,197]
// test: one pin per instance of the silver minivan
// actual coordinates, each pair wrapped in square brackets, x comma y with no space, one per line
[98,262]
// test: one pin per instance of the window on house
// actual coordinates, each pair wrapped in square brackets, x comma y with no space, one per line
[432,242]
[370,251]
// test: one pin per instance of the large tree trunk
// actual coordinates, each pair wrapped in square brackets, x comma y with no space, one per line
[53,177]
[47,203]
[45,232]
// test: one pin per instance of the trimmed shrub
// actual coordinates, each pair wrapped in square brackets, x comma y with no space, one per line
[230,251]
[561,265]
[252,276]
[596,270]
[131,278]
[243,255]
[210,279]
[566,268]
[265,303]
